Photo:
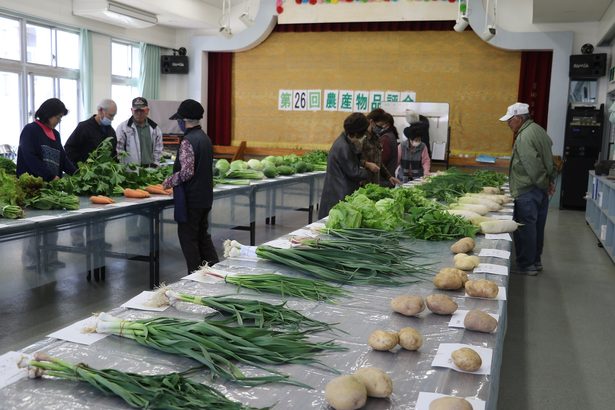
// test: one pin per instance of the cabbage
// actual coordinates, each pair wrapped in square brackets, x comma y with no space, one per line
[343,215]
[222,165]
[238,165]
[255,165]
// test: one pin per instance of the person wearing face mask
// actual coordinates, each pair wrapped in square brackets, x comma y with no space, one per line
[192,183]
[376,146]
[88,134]
[41,154]
[345,170]
[388,141]
[140,137]
[86,137]
[415,162]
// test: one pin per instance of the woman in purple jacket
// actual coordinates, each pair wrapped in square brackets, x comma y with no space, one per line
[41,154]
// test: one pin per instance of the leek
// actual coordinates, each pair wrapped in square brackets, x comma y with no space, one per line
[168,391]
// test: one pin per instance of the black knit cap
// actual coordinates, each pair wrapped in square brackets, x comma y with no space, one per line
[50,108]
[188,109]
[417,130]
[356,123]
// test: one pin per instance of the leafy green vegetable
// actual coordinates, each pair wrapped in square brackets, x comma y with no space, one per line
[51,199]
[223,166]
[8,166]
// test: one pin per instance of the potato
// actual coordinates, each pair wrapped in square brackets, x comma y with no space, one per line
[467,359]
[464,245]
[383,340]
[450,403]
[450,279]
[408,305]
[460,256]
[410,338]
[480,321]
[441,304]
[467,262]
[482,288]
[346,393]
[376,381]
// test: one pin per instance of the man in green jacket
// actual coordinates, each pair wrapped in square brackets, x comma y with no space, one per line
[531,175]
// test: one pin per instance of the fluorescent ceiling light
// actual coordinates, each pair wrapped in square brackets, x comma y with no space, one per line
[114,13]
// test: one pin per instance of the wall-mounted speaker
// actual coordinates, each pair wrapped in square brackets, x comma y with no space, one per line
[174,64]
[587,66]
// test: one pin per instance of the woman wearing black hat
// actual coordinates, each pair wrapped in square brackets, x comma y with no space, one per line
[41,154]
[344,172]
[192,183]
[415,162]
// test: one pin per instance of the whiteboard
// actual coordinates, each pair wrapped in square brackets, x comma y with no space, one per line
[160,111]
[436,113]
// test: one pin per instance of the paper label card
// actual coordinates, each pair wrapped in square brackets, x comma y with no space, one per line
[9,371]
[75,332]
[496,253]
[143,302]
[41,218]
[443,357]
[425,399]
[491,268]
[499,236]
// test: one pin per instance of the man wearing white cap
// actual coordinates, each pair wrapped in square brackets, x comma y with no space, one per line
[531,176]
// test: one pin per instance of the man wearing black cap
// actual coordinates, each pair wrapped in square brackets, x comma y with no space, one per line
[139,137]
[192,183]
[344,171]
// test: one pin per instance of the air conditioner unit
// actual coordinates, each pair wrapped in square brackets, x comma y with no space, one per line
[115,13]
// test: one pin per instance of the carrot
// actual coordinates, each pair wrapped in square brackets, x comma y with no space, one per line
[135,193]
[101,199]
[156,189]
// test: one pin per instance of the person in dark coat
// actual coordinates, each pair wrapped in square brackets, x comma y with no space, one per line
[90,133]
[41,154]
[40,151]
[344,170]
[192,182]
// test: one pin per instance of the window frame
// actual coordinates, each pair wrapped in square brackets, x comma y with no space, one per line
[25,70]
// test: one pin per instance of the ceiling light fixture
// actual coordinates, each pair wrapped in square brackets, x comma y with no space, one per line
[225,19]
[462,17]
[246,17]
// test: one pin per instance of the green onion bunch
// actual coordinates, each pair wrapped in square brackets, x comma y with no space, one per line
[283,285]
[253,312]
[169,391]
[216,346]
[11,211]
[349,263]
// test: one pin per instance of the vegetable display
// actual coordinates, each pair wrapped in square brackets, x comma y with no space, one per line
[245,312]
[285,286]
[216,345]
[348,262]
[168,391]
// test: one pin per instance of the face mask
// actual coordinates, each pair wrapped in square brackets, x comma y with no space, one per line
[415,144]
[357,144]
[105,121]
[182,125]
[377,129]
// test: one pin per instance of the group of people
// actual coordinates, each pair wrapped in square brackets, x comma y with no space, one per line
[137,140]
[369,151]
[365,152]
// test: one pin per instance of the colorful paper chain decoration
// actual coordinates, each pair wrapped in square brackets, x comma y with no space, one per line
[280,9]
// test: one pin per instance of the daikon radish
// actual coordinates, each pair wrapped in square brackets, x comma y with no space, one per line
[463,213]
[498,226]
[491,205]
[479,209]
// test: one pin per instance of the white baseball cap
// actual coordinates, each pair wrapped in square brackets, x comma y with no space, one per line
[515,109]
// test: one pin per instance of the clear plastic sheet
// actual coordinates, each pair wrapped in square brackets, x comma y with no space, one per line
[366,310]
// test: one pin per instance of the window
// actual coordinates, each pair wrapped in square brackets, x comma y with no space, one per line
[37,62]
[125,62]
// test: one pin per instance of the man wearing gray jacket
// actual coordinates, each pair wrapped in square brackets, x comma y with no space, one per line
[139,137]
